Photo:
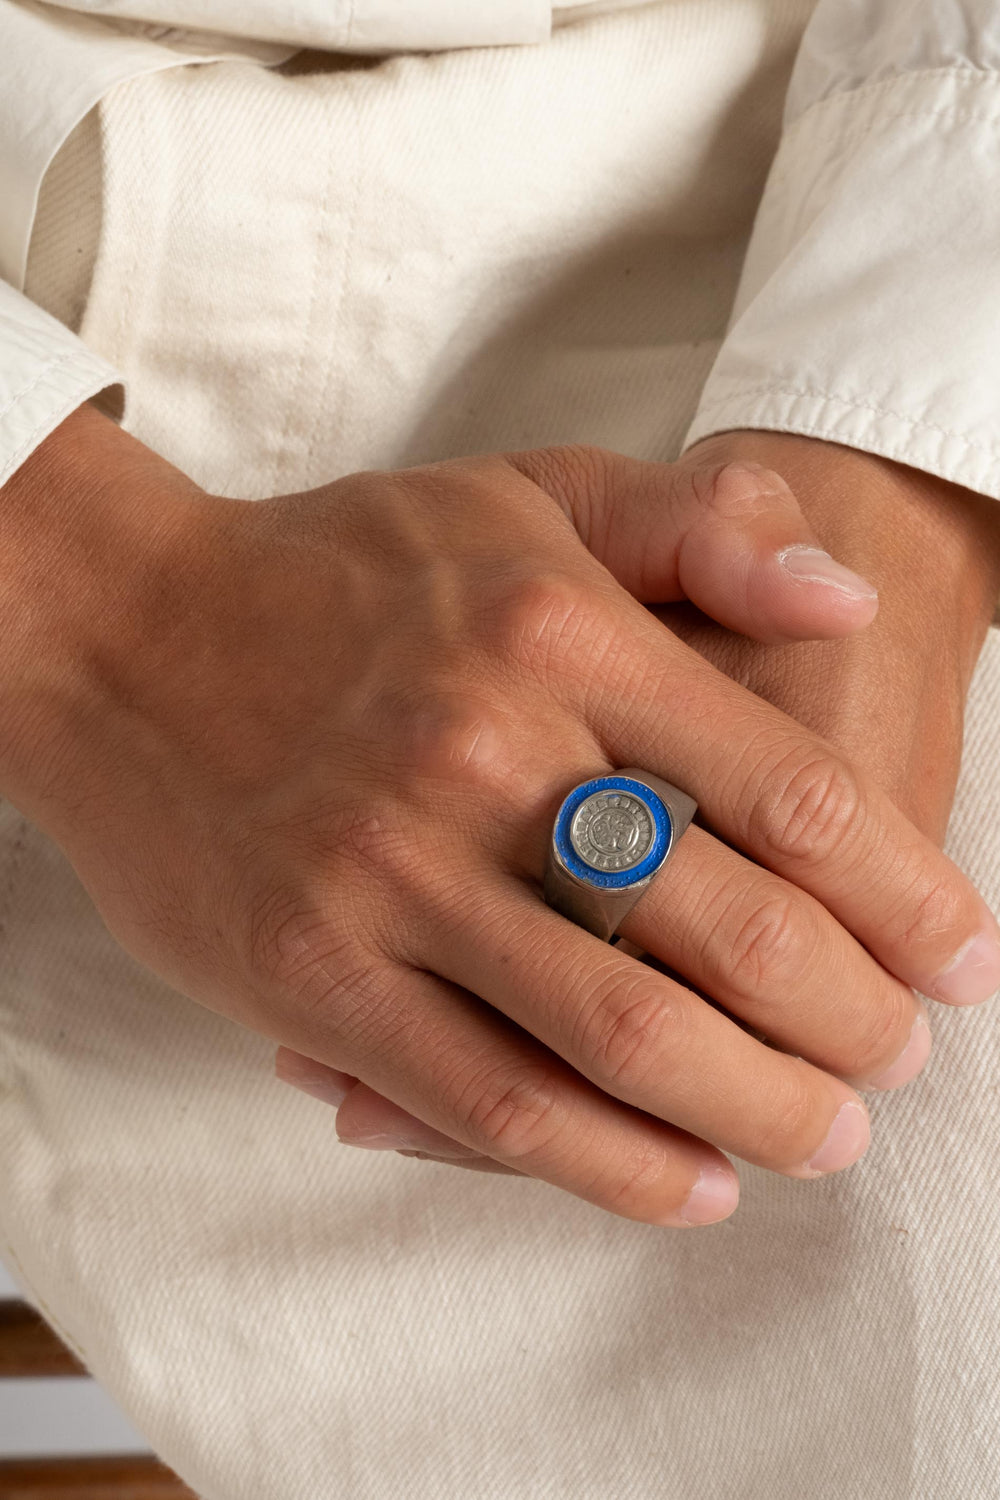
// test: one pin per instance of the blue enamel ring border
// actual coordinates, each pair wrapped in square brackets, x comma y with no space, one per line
[613,880]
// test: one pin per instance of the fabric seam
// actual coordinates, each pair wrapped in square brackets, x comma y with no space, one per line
[69,402]
[742,392]
[40,375]
[357,190]
[322,222]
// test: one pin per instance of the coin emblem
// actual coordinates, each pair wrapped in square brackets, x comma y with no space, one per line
[612,830]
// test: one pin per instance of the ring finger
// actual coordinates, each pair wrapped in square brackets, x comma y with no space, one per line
[643,1038]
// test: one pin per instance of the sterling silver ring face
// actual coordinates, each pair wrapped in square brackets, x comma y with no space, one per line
[612,830]
[611,837]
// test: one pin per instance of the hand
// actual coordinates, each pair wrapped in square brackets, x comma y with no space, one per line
[893,696]
[304,754]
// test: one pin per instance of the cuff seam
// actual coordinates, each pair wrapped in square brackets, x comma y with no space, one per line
[43,374]
[92,377]
[952,456]
[769,388]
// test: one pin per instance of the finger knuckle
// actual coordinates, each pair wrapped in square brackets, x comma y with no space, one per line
[373,846]
[280,933]
[767,947]
[452,736]
[513,1116]
[360,867]
[808,808]
[693,488]
[537,619]
[737,491]
[631,1032]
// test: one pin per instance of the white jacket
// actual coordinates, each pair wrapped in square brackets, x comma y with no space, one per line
[868,312]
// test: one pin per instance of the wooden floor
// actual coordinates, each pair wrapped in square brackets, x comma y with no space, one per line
[30,1348]
[89,1479]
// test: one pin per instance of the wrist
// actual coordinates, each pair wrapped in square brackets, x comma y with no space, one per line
[90,527]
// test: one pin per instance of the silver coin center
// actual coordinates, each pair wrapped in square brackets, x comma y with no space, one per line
[612,830]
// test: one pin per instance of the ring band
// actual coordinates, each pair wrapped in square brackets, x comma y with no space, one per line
[612,835]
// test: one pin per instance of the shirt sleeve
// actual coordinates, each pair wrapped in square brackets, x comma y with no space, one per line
[868,308]
[345,25]
[45,373]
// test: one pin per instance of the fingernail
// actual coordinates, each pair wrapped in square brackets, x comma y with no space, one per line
[910,1061]
[412,1140]
[713,1197]
[319,1084]
[813,565]
[846,1139]
[973,974]
[383,1142]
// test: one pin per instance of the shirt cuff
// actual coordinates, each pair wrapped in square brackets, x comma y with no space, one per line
[45,373]
[868,309]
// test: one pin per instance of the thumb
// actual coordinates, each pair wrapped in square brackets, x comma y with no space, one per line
[729,536]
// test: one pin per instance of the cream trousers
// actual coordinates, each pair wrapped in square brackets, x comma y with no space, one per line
[301,275]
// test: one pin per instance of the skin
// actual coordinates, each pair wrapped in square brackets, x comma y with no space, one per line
[891,696]
[304,754]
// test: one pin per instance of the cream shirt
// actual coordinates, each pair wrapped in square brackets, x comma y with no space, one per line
[868,311]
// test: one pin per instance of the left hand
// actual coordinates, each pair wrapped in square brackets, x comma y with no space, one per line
[892,696]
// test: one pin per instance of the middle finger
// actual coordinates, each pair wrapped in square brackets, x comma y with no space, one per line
[773,955]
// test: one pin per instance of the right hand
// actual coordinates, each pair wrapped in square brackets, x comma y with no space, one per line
[305,755]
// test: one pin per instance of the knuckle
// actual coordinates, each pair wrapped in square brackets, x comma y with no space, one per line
[736,491]
[767,946]
[537,619]
[451,736]
[693,489]
[376,864]
[512,1115]
[627,1036]
[808,808]
[280,934]
[371,844]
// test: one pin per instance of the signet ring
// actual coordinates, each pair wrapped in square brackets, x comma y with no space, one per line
[611,837]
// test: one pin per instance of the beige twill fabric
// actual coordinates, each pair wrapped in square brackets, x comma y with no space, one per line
[305,274]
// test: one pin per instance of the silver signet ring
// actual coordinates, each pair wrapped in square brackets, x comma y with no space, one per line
[611,837]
